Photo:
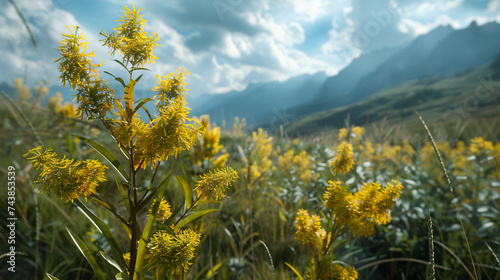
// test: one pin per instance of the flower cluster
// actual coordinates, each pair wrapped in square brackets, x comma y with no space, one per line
[95,95]
[171,86]
[309,230]
[209,145]
[164,212]
[302,163]
[341,272]
[362,211]
[66,178]
[214,184]
[344,160]
[168,252]
[130,39]
[165,136]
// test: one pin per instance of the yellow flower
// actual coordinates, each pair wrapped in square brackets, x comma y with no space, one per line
[285,162]
[168,252]
[344,159]
[220,162]
[95,95]
[478,146]
[342,134]
[75,65]
[166,135]
[214,184]
[309,230]
[130,39]
[163,212]
[171,86]
[358,131]
[372,205]
[339,200]
[67,179]
[340,272]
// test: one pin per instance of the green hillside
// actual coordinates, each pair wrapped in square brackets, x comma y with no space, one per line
[468,96]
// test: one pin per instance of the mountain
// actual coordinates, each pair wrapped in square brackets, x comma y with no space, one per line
[451,101]
[441,52]
[262,102]
[433,56]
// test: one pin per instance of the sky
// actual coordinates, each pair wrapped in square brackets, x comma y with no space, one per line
[228,44]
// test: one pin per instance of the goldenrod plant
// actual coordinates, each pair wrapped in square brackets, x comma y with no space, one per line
[144,145]
[343,212]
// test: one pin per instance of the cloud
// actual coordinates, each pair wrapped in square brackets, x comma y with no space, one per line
[494,6]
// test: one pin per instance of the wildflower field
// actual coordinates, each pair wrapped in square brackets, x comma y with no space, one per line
[106,188]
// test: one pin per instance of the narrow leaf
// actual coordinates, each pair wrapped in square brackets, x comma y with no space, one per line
[141,250]
[117,166]
[87,254]
[51,277]
[119,185]
[294,270]
[129,98]
[110,260]
[186,188]
[194,216]
[103,228]
[138,78]
[140,105]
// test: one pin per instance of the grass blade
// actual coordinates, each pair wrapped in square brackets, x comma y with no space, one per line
[451,189]
[294,270]
[186,188]
[103,228]
[88,255]
[194,216]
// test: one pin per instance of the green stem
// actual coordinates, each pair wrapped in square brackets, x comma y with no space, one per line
[187,211]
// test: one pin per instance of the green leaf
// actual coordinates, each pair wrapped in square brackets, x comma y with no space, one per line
[121,63]
[294,270]
[147,112]
[194,216]
[143,241]
[129,99]
[119,185]
[116,78]
[140,76]
[117,166]
[186,188]
[144,101]
[103,228]
[110,260]
[88,255]
[139,68]
[51,277]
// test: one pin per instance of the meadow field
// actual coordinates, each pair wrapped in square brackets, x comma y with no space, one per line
[253,233]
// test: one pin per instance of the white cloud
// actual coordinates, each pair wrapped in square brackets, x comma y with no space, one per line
[494,6]
[432,8]
[419,28]
[309,10]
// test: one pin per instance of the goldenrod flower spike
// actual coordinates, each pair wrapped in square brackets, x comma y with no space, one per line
[131,40]
[66,178]
[309,230]
[214,184]
[344,160]
[478,146]
[168,252]
[338,271]
[339,200]
[163,212]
